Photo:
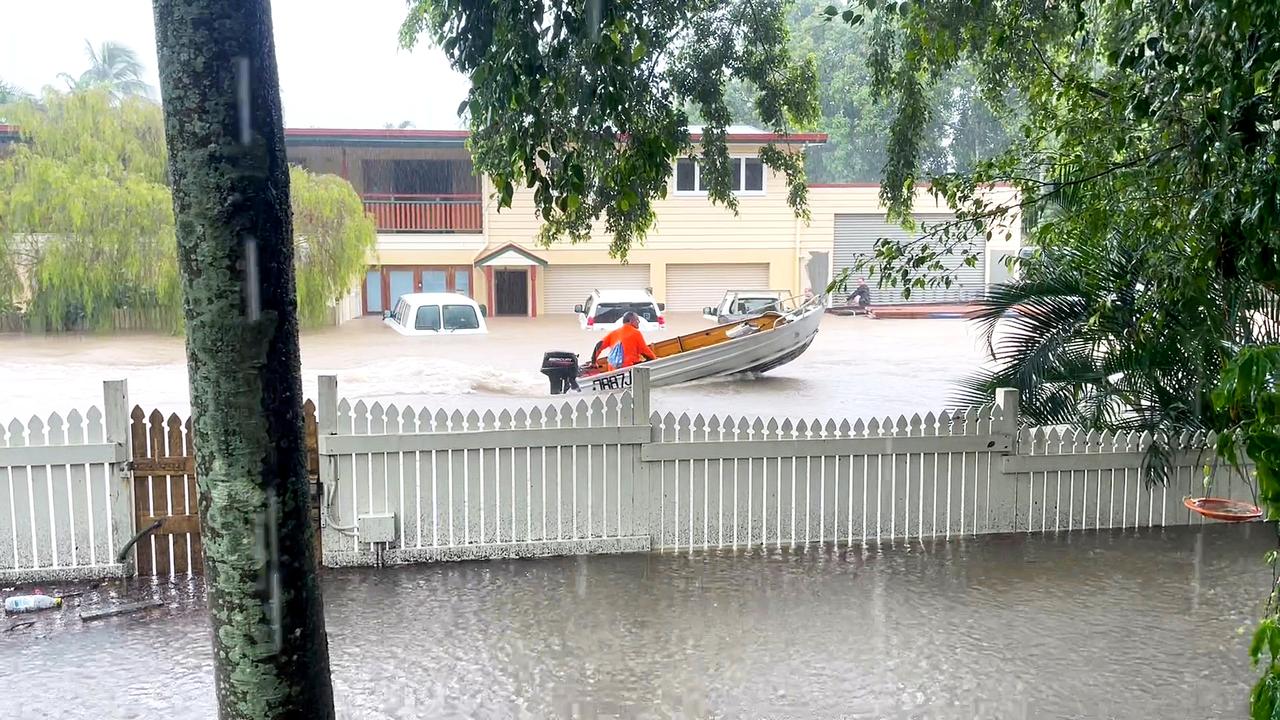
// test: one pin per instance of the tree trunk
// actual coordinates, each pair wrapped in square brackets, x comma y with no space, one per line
[235,252]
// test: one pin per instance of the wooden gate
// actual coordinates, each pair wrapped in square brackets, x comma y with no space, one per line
[164,492]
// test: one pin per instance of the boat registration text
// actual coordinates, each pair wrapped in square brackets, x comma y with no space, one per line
[612,383]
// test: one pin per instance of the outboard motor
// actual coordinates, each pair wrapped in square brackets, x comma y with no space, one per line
[561,368]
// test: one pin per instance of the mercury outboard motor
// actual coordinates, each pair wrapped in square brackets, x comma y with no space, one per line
[561,368]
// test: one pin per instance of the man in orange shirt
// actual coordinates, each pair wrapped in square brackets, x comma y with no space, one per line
[634,348]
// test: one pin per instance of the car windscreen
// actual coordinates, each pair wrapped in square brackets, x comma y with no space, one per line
[460,317]
[608,312]
[428,318]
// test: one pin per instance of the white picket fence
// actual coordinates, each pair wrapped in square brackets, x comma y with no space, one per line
[403,484]
[406,484]
[65,500]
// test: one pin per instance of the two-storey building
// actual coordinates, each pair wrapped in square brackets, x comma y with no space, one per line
[439,228]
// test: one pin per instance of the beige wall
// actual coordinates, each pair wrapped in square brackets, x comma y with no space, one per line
[689,229]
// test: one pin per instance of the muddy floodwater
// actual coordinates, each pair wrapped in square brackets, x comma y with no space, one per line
[855,368]
[1143,624]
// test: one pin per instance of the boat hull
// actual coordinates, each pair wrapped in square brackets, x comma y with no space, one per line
[755,353]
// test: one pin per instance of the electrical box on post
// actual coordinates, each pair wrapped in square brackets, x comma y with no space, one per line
[377,528]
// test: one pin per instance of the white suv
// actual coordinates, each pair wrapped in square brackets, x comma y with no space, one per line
[604,310]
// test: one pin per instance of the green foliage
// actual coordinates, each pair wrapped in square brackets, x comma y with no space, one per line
[963,127]
[9,94]
[113,67]
[1249,396]
[584,102]
[332,237]
[1147,173]
[86,218]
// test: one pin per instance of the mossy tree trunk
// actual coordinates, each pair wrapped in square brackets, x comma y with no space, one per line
[235,252]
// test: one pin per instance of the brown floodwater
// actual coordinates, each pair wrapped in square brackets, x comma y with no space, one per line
[1136,624]
[855,368]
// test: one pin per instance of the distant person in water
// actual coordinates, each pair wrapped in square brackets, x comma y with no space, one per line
[861,298]
[626,345]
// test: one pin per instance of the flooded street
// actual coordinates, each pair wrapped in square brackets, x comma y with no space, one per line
[1090,625]
[855,368]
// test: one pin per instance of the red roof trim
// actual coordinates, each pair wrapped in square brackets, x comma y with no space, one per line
[378,133]
[409,133]
[487,256]
[921,186]
[815,138]
[464,134]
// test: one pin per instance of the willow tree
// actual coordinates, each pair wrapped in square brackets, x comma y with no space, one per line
[585,101]
[235,245]
[86,222]
[86,217]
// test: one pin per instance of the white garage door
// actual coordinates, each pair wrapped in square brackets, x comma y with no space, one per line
[855,238]
[569,285]
[693,287]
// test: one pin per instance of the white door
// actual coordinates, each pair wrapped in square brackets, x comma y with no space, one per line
[569,285]
[694,287]
[855,238]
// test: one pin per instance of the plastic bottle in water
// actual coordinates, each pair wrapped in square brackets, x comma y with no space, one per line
[30,603]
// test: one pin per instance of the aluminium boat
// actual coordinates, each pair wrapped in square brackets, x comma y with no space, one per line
[753,345]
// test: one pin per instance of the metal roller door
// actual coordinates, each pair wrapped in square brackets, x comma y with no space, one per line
[569,285]
[855,238]
[693,287]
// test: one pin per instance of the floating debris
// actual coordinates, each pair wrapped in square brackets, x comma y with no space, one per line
[125,609]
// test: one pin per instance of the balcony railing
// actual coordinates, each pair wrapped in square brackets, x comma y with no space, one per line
[425,213]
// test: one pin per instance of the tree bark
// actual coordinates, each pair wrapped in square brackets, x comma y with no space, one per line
[231,201]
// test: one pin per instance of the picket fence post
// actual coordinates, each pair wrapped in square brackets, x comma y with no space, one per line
[1003,508]
[327,424]
[644,504]
[115,413]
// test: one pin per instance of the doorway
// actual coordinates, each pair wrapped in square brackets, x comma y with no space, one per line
[511,292]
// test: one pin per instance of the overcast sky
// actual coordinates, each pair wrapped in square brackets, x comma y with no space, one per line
[339,61]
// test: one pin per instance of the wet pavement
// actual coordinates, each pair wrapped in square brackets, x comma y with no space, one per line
[1089,625]
[856,367]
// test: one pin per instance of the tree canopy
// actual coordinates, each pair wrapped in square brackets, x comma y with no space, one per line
[1146,163]
[963,128]
[86,217]
[584,102]
[112,66]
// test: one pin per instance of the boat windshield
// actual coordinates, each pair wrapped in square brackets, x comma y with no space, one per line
[751,306]
[608,312]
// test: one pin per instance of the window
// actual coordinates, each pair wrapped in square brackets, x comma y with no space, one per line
[428,318]
[746,175]
[401,314]
[419,177]
[434,281]
[384,285]
[686,170]
[755,175]
[610,312]
[460,317]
